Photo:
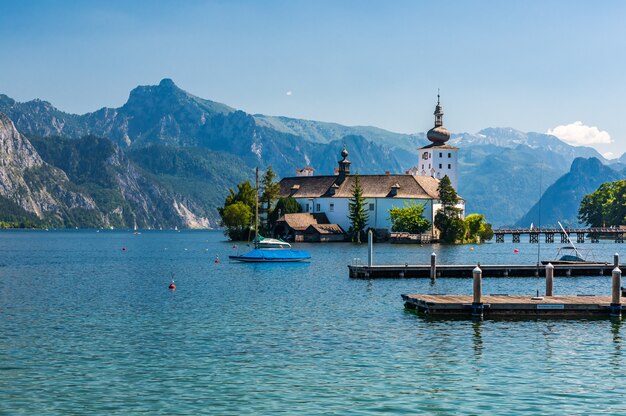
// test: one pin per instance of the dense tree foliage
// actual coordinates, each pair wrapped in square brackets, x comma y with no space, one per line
[477,229]
[606,206]
[237,218]
[409,219]
[356,212]
[238,211]
[448,219]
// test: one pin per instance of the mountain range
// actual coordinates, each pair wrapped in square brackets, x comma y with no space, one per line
[167,158]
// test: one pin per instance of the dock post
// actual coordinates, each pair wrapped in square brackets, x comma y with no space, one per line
[616,305]
[549,280]
[433,266]
[616,260]
[477,305]
[370,248]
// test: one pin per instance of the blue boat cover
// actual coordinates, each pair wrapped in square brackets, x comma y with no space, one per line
[260,254]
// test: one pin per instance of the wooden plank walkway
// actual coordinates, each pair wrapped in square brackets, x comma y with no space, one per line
[465,270]
[511,306]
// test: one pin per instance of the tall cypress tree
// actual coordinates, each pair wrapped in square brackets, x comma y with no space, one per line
[270,191]
[356,211]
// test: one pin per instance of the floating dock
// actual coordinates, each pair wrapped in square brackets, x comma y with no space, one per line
[478,306]
[512,306]
[358,271]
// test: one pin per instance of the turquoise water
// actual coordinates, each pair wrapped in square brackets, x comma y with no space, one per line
[88,328]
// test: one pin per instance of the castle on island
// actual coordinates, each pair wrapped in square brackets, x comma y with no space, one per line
[325,199]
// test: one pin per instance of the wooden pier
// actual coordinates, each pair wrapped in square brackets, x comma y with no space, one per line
[434,270]
[478,306]
[511,306]
[465,270]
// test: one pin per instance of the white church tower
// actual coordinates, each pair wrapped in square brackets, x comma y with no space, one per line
[438,159]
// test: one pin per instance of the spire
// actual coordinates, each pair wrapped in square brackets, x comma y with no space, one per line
[438,112]
[344,164]
[438,134]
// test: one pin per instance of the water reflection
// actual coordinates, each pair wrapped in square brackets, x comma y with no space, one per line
[616,356]
[477,339]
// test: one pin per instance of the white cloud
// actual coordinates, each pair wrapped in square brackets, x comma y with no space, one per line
[288,93]
[578,134]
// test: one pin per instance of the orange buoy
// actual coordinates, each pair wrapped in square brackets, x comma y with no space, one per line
[123,248]
[172,286]
[234,246]
[217,259]
[516,251]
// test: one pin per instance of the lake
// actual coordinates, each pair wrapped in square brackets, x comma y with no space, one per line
[91,328]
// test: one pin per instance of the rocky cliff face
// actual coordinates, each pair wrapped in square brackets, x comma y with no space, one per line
[29,182]
[87,182]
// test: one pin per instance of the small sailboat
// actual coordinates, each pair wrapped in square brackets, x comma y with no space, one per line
[569,254]
[135,228]
[269,250]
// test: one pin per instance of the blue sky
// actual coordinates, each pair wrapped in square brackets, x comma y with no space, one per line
[530,65]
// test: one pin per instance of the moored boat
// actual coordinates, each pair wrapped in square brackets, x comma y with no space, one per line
[271,255]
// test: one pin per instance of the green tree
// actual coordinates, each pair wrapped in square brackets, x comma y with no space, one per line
[356,212]
[478,229]
[409,219]
[270,189]
[237,218]
[245,195]
[448,219]
[606,206]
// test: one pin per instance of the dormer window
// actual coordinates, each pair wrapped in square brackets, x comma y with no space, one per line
[394,189]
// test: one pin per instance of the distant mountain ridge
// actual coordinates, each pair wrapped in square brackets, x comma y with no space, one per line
[499,167]
[561,200]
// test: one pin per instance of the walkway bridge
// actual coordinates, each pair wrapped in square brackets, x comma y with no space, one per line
[594,234]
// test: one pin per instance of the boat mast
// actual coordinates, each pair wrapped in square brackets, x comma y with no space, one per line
[569,239]
[256,207]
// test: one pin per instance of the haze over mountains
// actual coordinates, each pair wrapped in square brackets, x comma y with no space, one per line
[170,157]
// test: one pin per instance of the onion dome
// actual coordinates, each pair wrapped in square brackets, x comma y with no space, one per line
[344,152]
[438,134]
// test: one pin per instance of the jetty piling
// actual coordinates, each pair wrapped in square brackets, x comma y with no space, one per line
[433,266]
[370,248]
[549,280]
[616,292]
[616,260]
[477,305]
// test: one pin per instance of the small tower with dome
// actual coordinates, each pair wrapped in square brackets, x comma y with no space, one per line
[438,159]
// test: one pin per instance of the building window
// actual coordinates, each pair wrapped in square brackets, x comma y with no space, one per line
[429,166]
[440,154]
[332,207]
[449,155]
[425,155]
[371,207]
[422,167]
[317,207]
[307,208]
[449,166]
[440,166]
